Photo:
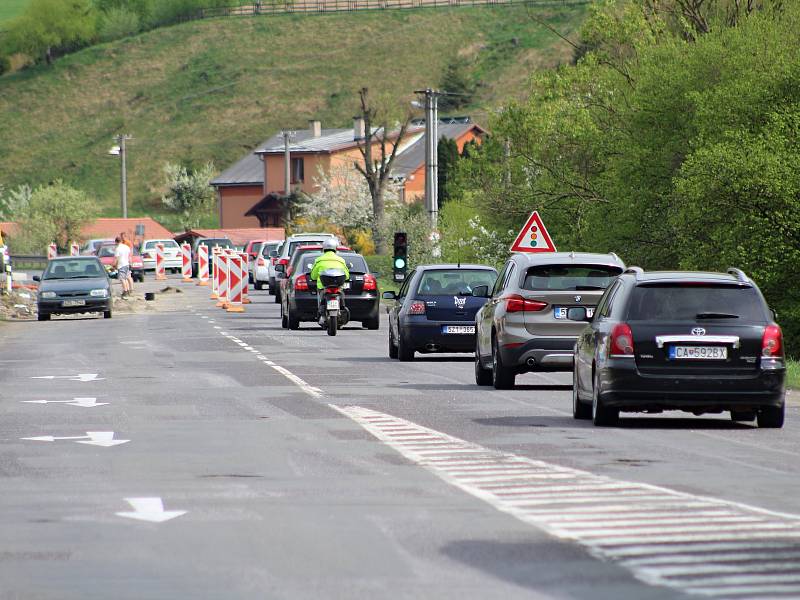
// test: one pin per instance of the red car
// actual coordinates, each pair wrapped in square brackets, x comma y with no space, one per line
[106,255]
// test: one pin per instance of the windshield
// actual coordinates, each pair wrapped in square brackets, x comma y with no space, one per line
[266,249]
[682,302]
[570,277]
[151,244]
[73,269]
[452,282]
[106,251]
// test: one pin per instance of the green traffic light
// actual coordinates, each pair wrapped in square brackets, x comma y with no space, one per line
[399,263]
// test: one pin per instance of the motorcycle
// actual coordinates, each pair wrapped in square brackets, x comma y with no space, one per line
[334,312]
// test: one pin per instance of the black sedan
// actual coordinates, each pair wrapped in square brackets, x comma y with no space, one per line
[434,310]
[697,342]
[299,300]
[73,284]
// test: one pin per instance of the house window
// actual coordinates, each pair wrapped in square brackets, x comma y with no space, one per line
[298,170]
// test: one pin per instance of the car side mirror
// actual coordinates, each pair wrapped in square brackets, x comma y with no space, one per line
[389,296]
[280,268]
[774,314]
[577,313]
[480,291]
[37,278]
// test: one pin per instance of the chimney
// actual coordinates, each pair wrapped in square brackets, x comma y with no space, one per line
[315,127]
[358,128]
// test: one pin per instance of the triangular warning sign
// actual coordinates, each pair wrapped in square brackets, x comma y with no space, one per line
[533,237]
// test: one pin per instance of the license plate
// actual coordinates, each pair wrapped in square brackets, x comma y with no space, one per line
[698,352]
[333,304]
[459,329]
[560,312]
[73,303]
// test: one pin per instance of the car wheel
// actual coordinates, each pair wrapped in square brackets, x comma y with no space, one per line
[601,415]
[771,416]
[107,314]
[258,285]
[404,352]
[502,377]
[284,320]
[743,415]
[580,410]
[42,317]
[372,324]
[392,346]
[291,321]
[483,376]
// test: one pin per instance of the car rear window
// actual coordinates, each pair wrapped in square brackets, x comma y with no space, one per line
[167,244]
[570,277]
[689,302]
[295,244]
[355,262]
[222,243]
[450,282]
[267,248]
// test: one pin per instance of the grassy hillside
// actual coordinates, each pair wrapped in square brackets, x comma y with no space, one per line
[11,8]
[212,90]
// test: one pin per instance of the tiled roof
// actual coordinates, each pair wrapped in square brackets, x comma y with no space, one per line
[248,171]
[239,236]
[413,157]
[330,140]
[100,228]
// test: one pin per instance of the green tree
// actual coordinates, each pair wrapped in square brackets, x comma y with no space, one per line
[55,212]
[189,194]
[447,159]
[51,27]
[457,80]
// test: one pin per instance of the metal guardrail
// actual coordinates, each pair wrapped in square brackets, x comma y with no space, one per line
[32,262]
[333,6]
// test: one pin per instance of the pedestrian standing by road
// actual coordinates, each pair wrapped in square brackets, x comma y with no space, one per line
[124,239]
[122,260]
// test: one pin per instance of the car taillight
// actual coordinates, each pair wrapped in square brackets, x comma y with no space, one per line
[301,284]
[417,308]
[370,283]
[621,340]
[516,303]
[772,342]
[261,262]
[283,261]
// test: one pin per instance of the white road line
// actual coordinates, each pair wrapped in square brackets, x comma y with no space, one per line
[700,545]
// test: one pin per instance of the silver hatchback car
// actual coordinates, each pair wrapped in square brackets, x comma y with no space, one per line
[523,326]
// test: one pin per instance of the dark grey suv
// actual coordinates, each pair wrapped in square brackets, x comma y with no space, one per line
[524,326]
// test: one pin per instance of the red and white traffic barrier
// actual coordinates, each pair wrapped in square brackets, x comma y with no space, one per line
[245,276]
[161,272]
[74,249]
[202,264]
[223,263]
[52,251]
[186,264]
[214,273]
[236,281]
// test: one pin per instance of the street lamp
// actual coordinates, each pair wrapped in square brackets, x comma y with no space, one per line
[120,151]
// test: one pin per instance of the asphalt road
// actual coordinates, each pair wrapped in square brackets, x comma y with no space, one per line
[316,467]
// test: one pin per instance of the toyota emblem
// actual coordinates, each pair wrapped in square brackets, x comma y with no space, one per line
[578,298]
[698,331]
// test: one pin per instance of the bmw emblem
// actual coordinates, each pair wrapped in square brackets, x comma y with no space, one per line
[698,331]
[578,298]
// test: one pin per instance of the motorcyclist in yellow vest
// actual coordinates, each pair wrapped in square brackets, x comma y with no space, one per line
[327,260]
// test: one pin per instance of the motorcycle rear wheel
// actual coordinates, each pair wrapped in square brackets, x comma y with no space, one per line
[333,323]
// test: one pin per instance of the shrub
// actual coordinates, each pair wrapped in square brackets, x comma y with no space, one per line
[118,23]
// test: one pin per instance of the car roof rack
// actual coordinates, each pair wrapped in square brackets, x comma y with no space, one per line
[635,270]
[739,274]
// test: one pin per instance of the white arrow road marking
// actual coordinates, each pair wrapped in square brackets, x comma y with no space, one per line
[82,402]
[149,509]
[78,377]
[93,438]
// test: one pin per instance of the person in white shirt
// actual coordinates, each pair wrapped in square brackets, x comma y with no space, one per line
[122,260]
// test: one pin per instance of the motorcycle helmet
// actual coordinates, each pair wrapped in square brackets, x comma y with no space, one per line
[329,245]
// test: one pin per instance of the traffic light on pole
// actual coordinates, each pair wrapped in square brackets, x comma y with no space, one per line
[400,257]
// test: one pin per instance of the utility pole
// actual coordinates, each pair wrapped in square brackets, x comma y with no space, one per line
[431,153]
[287,162]
[123,184]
